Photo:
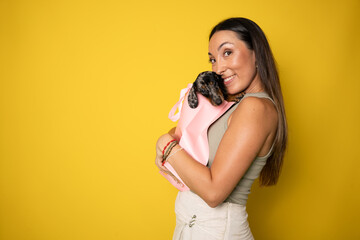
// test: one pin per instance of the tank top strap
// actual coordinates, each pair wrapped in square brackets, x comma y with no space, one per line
[259,95]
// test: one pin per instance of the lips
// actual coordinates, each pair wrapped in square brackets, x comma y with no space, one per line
[228,80]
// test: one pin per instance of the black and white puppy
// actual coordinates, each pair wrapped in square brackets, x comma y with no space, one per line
[211,86]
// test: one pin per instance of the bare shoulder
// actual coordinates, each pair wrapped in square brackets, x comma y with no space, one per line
[255,110]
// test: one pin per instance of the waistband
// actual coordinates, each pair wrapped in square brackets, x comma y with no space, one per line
[194,216]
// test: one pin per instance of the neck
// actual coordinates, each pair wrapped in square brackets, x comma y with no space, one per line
[254,89]
[255,86]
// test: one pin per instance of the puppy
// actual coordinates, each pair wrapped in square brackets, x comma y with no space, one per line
[211,86]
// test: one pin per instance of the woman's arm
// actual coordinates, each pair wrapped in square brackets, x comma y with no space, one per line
[172,132]
[248,130]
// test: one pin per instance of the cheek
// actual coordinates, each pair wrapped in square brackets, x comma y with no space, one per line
[238,61]
[239,67]
[244,66]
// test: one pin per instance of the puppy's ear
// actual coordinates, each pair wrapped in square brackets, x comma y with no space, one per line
[192,98]
[221,84]
[216,95]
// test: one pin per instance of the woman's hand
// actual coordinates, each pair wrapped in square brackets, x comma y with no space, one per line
[160,144]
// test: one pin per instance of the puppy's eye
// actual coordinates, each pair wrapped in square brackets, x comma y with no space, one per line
[211,83]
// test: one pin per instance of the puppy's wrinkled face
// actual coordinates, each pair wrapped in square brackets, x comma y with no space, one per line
[210,85]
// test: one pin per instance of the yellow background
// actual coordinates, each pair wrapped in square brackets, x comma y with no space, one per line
[85,89]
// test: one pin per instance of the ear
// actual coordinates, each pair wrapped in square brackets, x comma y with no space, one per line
[192,97]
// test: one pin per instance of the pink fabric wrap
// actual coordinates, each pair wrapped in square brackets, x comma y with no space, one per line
[192,129]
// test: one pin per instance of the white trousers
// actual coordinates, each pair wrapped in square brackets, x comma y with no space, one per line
[195,220]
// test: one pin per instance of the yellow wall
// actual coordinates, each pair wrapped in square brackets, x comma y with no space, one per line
[85,89]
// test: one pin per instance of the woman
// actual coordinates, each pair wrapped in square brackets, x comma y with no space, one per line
[246,142]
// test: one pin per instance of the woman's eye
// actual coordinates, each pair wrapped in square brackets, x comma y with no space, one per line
[212,61]
[227,53]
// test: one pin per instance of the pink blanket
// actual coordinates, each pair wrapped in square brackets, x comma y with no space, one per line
[192,129]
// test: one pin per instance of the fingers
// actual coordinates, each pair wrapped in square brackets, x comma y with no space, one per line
[158,162]
[161,143]
[160,147]
[173,176]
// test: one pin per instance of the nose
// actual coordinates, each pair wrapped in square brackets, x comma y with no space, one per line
[219,68]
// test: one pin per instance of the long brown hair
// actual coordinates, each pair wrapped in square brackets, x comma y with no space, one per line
[254,38]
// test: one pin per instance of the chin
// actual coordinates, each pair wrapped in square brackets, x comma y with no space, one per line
[235,89]
[232,91]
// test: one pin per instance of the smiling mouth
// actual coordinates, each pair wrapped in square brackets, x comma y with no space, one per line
[228,79]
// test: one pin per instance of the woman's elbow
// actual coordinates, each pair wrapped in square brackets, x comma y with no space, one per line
[213,204]
[213,199]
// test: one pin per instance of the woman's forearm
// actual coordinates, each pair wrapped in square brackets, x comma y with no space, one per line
[196,176]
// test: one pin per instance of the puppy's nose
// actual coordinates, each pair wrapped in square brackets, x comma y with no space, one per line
[217,101]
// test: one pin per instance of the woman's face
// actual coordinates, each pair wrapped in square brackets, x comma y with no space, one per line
[231,59]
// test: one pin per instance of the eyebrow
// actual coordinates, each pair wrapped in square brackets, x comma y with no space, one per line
[221,45]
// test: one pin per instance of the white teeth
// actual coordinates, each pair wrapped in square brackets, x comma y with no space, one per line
[228,79]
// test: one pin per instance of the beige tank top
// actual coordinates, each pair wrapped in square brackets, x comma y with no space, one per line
[215,133]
